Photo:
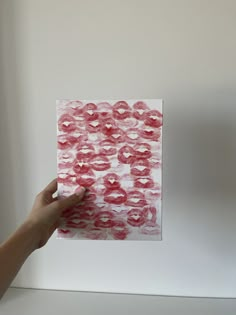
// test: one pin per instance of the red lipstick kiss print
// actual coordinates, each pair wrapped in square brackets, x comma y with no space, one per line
[67,123]
[153,118]
[99,163]
[115,196]
[140,167]
[104,219]
[90,112]
[143,182]
[86,180]
[136,217]
[119,230]
[136,198]
[107,147]
[111,181]
[121,110]
[126,155]
[140,109]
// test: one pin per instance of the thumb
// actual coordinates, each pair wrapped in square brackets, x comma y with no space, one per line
[70,201]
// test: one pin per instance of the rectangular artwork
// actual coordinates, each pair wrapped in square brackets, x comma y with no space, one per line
[114,149]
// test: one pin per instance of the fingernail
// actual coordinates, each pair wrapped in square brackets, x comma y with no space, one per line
[80,191]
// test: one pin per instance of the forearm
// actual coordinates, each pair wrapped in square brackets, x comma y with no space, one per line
[14,252]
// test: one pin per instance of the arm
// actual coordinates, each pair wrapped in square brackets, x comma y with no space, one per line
[33,233]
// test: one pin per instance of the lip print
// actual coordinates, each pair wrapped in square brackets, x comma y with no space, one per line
[85,151]
[136,198]
[66,160]
[76,107]
[90,112]
[154,193]
[90,195]
[86,212]
[99,163]
[117,136]
[151,215]
[104,219]
[132,135]
[151,229]
[142,150]
[65,233]
[155,161]
[104,110]
[121,110]
[153,119]
[128,122]
[81,167]
[86,180]
[66,123]
[143,182]
[150,133]
[96,234]
[126,155]
[65,141]
[76,223]
[140,109]
[136,217]
[107,147]
[66,179]
[119,230]
[109,126]
[140,167]
[111,181]
[115,196]
[93,126]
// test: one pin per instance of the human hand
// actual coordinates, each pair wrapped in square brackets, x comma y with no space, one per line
[46,211]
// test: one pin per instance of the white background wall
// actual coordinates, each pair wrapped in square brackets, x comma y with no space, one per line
[182,51]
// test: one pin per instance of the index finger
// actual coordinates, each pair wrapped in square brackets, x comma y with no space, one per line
[51,187]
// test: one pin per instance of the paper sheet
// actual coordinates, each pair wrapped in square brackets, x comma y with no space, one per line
[114,148]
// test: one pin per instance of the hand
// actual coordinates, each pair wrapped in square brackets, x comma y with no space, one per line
[46,211]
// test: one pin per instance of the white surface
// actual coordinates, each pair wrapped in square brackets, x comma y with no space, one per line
[181,51]
[37,302]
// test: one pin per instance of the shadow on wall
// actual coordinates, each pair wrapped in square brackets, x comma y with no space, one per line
[12,167]
[200,150]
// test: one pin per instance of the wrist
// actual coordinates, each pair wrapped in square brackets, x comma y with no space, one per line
[31,231]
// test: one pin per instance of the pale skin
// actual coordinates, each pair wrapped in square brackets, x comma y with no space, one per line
[34,233]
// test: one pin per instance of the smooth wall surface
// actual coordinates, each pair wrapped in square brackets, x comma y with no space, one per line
[181,51]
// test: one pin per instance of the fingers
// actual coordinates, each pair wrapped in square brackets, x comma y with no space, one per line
[51,187]
[70,201]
